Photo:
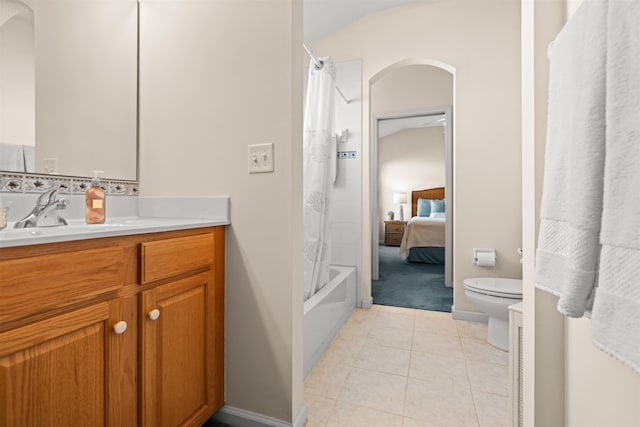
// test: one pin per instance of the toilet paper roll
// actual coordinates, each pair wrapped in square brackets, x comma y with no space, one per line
[485,259]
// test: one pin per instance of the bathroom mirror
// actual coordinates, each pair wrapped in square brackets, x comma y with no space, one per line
[68,87]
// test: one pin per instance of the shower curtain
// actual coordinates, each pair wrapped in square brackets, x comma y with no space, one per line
[318,153]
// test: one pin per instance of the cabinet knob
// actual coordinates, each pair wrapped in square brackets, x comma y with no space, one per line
[154,314]
[120,327]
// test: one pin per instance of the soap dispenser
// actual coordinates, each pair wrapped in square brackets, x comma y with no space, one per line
[95,201]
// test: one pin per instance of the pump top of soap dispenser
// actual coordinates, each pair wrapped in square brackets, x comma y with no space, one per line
[95,181]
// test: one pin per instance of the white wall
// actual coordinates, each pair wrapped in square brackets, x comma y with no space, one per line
[412,159]
[542,325]
[571,6]
[217,76]
[568,382]
[480,43]
[347,190]
[410,88]
[592,376]
[17,85]
[600,391]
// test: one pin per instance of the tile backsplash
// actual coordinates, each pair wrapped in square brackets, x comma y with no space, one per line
[22,183]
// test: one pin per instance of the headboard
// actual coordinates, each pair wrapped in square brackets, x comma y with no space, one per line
[430,193]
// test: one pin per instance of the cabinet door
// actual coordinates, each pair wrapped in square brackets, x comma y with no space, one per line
[70,370]
[178,369]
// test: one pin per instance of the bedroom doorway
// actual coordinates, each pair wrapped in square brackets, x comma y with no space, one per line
[386,123]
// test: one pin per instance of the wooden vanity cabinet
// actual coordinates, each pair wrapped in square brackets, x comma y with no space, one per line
[174,376]
[181,327]
[67,370]
[114,349]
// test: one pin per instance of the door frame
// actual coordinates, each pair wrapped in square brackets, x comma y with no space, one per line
[373,184]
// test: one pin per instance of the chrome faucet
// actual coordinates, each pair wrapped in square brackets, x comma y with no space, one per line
[44,214]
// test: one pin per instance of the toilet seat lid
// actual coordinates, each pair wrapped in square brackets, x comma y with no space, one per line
[508,288]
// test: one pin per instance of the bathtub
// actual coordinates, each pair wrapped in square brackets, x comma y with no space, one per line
[325,313]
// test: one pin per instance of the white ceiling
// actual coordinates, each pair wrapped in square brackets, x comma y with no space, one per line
[391,126]
[323,17]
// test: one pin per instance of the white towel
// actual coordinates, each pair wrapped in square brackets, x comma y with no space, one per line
[11,157]
[616,310]
[29,158]
[568,246]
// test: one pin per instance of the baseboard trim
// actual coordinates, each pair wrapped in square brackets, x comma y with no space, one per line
[301,419]
[367,302]
[472,316]
[241,418]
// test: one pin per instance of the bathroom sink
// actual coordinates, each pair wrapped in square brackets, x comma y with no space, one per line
[11,234]
[19,233]
[125,222]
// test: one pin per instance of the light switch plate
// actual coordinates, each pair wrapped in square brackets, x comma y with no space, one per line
[261,158]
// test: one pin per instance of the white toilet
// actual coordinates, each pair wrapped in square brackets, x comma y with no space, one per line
[493,295]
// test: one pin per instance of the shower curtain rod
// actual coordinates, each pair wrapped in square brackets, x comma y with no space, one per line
[318,64]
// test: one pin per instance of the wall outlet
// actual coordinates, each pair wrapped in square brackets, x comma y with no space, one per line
[50,165]
[261,158]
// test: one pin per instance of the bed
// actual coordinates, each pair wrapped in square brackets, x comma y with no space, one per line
[424,237]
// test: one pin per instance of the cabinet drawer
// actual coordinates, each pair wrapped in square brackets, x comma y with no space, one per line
[38,284]
[170,257]
[394,228]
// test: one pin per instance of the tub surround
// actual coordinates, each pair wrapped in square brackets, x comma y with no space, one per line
[326,311]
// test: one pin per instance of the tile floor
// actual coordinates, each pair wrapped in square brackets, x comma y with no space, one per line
[391,366]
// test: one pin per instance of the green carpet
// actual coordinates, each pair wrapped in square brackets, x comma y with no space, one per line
[408,284]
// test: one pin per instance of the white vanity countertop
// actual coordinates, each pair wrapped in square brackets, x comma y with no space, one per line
[125,216]
[79,230]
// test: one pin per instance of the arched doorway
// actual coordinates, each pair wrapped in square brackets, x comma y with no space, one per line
[430,97]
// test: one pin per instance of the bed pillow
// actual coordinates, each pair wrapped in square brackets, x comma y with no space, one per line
[424,207]
[437,205]
[437,215]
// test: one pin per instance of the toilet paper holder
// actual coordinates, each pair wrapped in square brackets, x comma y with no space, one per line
[484,257]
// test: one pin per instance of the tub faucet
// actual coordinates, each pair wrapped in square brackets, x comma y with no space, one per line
[44,214]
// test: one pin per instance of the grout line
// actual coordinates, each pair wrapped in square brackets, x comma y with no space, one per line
[406,387]
[342,386]
[475,407]
[466,366]
[368,328]
[356,405]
